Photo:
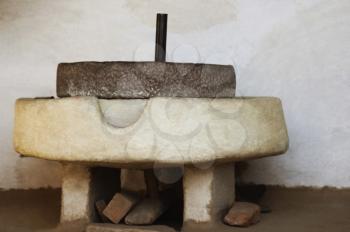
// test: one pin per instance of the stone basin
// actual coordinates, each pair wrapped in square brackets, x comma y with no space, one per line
[139,133]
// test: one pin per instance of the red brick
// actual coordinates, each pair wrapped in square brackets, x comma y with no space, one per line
[119,206]
[243,214]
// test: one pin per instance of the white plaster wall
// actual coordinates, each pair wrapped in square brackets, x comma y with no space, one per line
[295,49]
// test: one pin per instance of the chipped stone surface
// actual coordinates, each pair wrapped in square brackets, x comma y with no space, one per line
[119,206]
[144,80]
[124,228]
[222,129]
[243,214]
[147,211]
[208,192]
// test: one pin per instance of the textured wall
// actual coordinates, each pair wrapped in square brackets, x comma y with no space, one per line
[294,49]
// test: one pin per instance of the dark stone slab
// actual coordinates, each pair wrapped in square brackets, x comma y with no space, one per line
[144,80]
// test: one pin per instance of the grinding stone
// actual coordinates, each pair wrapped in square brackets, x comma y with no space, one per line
[112,80]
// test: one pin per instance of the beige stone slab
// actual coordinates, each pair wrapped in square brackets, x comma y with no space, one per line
[141,133]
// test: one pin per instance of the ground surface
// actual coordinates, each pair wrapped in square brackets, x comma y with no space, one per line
[292,210]
[29,210]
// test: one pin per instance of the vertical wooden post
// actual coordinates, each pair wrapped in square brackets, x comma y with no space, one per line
[161,34]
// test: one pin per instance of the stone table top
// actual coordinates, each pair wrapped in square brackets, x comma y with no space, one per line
[143,132]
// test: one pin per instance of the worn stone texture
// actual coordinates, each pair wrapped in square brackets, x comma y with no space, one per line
[243,214]
[208,193]
[124,228]
[193,130]
[147,211]
[144,80]
[132,180]
[119,206]
[76,198]
[82,187]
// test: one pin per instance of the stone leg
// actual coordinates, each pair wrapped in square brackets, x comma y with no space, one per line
[82,187]
[208,194]
[77,204]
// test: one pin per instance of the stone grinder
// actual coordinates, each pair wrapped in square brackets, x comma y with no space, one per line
[149,116]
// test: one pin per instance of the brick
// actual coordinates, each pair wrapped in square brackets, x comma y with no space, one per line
[119,206]
[243,214]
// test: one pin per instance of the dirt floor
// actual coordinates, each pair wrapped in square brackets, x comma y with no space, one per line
[325,210]
[29,210]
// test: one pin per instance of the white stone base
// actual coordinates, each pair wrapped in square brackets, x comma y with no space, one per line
[76,202]
[208,193]
[81,188]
